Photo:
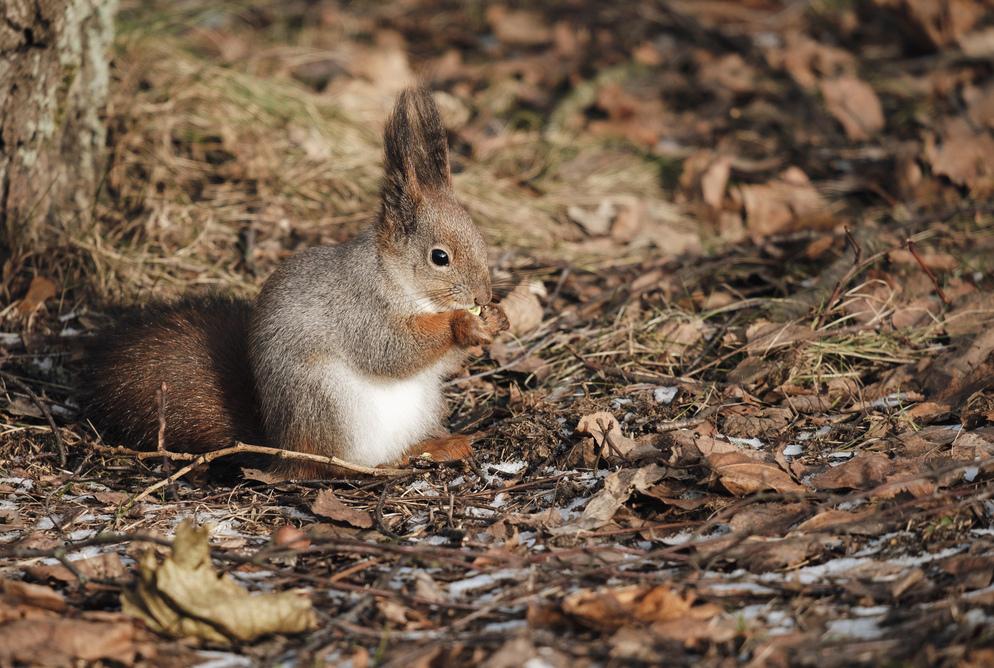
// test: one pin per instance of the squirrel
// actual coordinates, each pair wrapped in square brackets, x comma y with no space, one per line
[344,351]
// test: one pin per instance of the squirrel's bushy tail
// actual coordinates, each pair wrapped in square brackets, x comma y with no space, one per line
[198,348]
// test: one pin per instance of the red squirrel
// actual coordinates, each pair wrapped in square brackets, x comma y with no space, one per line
[344,351]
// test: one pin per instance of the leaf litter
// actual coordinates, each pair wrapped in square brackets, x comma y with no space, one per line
[745,411]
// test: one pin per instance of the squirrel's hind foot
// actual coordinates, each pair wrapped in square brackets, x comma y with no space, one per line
[451,448]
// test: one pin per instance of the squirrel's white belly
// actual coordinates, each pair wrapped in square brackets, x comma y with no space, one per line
[382,418]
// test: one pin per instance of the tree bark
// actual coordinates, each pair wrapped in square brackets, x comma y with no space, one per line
[54,75]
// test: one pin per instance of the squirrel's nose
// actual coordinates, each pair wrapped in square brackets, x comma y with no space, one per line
[483,296]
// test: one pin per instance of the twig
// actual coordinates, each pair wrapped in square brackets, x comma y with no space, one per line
[928,272]
[239,448]
[160,400]
[60,444]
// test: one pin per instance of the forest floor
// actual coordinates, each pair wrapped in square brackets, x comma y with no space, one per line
[746,410]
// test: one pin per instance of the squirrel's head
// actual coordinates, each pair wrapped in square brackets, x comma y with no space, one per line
[425,238]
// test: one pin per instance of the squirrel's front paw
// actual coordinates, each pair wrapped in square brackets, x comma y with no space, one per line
[469,330]
[494,319]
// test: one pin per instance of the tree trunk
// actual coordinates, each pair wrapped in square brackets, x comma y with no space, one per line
[54,73]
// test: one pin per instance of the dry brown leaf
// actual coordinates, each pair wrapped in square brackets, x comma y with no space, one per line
[518,26]
[618,487]
[980,104]
[676,337]
[56,641]
[16,592]
[523,310]
[741,474]
[713,181]
[107,566]
[863,471]
[184,597]
[609,437]
[326,504]
[640,120]
[965,155]
[855,105]
[807,60]
[788,203]
[40,289]
[596,222]
[612,608]
[728,73]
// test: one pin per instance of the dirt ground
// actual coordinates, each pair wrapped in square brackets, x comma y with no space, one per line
[745,414]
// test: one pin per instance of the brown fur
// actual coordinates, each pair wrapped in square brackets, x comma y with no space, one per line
[198,348]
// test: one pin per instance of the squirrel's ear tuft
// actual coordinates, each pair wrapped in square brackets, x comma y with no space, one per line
[416,156]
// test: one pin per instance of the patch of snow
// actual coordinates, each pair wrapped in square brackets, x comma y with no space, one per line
[44,524]
[537,662]
[459,587]
[970,473]
[499,500]
[474,511]
[8,339]
[792,450]
[82,534]
[665,394]
[513,467]
[69,332]
[223,660]
[509,625]
[741,588]
[22,484]
[865,628]
[841,454]
[753,443]
[891,400]
[43,364]
[421,487]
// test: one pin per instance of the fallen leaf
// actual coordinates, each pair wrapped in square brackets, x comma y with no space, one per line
[518,26]
[25,593]
[40,289]
[676,337]
[326,504]
[788,203]
[596,222]
[291,537]
[741,474]
[523,310]
[618,487]
[855,105]
[807,60]
[607,432]
[714,180]
[183,596]
[609,609]
[965,155]
[106,566]
[55,641]
[863,471]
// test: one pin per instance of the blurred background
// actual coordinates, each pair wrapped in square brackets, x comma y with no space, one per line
[763,226]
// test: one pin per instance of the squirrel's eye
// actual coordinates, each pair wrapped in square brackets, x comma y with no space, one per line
[439,257]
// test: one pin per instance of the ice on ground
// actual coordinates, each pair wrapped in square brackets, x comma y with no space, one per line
[665,394]
[459,587]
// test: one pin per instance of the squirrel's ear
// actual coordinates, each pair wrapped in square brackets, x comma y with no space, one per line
[416,159]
